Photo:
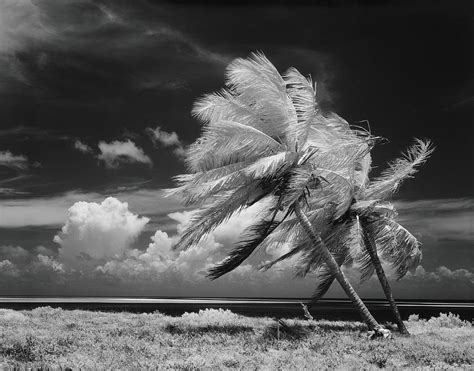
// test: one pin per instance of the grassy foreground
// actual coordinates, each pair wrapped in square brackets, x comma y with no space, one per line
[218,339]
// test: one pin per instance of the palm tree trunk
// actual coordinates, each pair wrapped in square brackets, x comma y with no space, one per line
[341,278]
[372,250]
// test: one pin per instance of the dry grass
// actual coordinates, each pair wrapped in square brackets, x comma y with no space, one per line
[57,339]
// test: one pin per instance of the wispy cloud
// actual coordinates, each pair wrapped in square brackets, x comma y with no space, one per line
[166,139]
[48,31]
[115,153]
[24,133]
[12,161]
[82,147]
[451,219]
[52,211]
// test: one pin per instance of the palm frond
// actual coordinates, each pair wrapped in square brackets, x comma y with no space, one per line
[301,92]
[225,142]
[290,233]
[374,208]
[196,187]
[269,165]
[353,239]
[325,277]
[344,240]
[190,179]
[396,246]
[365,266]
[207,219]
[295,250]
[252,238]
[399,170]
[229,105]
[257,84]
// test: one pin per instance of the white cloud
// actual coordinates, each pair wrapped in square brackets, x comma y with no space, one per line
[159,262]
[13,253]
[97,231]
[116,152]
[161,136]
[50,264]
[442,274]
[82,147]
[96,247]
[10,160]
[166,139]
[7,268]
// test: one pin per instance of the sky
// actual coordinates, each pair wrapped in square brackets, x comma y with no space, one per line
[95,101]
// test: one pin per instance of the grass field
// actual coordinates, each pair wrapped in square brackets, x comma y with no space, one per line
[218,339]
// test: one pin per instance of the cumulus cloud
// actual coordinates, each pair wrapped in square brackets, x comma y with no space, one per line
[166,139]
[94,232]
[7,268]
[24,266]
[115,153]
[13,253]
[443,274]
[159,262]
[97,246]
[12,161]
[82,147]
[49,263]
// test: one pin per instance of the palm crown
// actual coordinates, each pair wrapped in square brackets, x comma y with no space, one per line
[264,137]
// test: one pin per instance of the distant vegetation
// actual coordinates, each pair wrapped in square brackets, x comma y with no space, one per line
[55,338]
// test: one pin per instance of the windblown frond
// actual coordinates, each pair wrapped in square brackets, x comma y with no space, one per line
[399,170]
[223,105]
[374,208]
[395,244]
[252,238]
[290,233]
[301,92]
[266,166]
[353,240]
[365,266]
[312,257]
[257,84]
[325,278]
[208,218]
[227,142]
[344,241]
[294,251]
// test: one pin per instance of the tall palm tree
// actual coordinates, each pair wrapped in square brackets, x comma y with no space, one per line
[381,234]
[367,232]
[266,140]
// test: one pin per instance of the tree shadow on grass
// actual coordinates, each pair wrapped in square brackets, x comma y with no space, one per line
[282,331]
[200,330]
[340,326]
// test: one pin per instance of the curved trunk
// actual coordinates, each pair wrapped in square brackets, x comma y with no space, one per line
[341,278]
[372,250]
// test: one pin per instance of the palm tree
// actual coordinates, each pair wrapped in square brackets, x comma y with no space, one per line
[381,233]
[266,140]
[366,230]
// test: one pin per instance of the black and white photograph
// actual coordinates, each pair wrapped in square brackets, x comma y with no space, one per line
[248,185]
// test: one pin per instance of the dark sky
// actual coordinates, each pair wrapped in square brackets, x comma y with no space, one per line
[95,100]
